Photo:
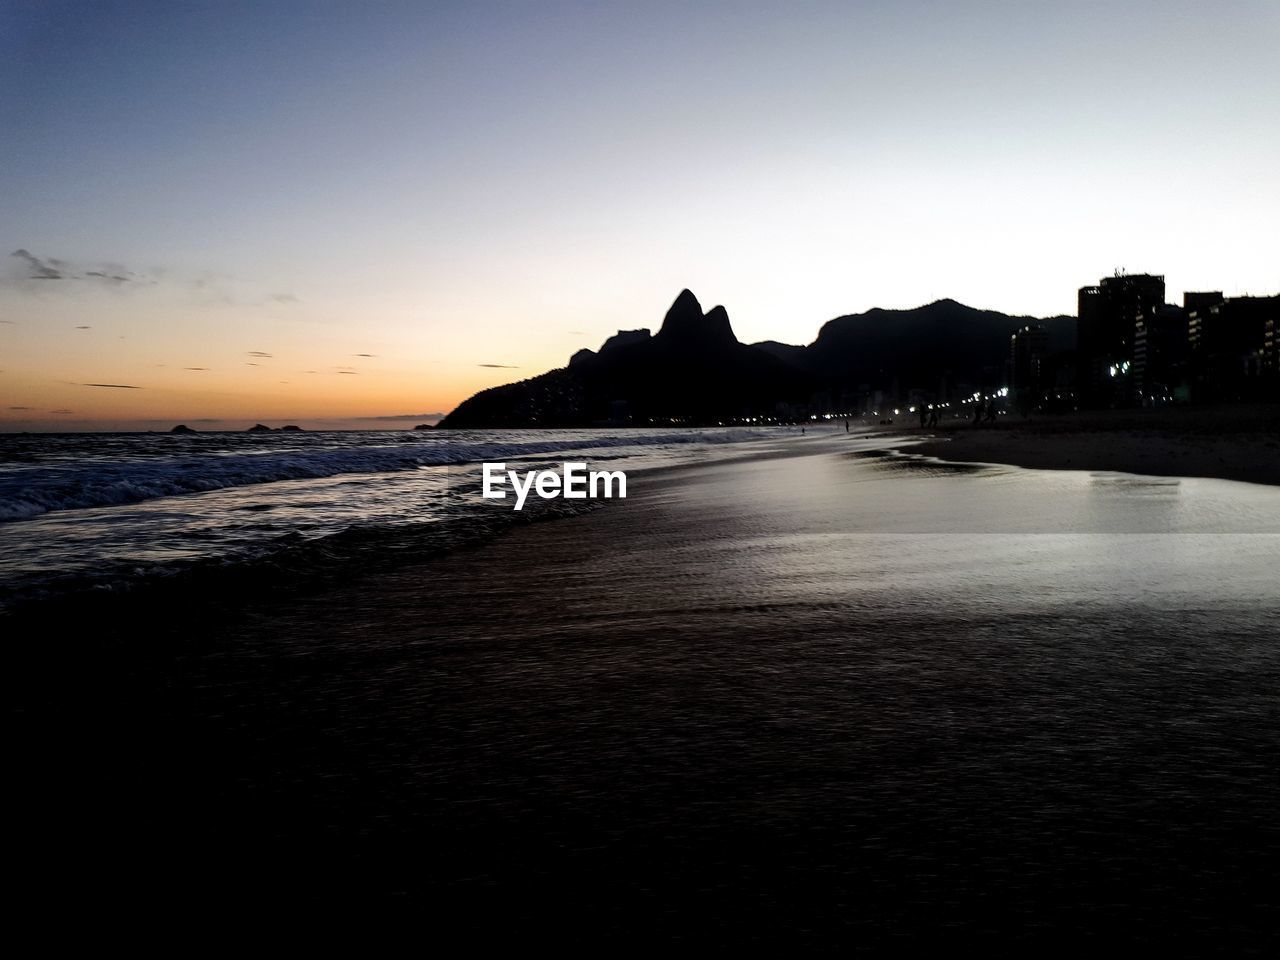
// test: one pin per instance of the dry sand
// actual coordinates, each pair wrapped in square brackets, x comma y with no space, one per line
[1231,443]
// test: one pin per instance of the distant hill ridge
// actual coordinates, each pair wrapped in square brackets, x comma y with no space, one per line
[916,346]
[694,370]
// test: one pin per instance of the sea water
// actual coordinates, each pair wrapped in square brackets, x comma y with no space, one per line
[106,509]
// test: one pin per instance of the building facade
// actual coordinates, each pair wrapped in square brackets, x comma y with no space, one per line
[1028,355]
[1230,356]
[1106,320]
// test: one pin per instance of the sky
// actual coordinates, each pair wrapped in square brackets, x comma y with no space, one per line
[361,213]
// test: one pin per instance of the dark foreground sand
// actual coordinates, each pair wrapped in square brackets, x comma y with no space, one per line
[1232,443]
[672,720]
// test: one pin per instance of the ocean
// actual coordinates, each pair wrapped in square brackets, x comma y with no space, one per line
[109,510]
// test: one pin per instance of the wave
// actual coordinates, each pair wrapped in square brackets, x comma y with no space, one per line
[281,563]
[29,492]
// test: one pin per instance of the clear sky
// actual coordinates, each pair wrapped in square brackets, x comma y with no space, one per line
[319,210]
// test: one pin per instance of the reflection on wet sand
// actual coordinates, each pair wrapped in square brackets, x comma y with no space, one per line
[803,700]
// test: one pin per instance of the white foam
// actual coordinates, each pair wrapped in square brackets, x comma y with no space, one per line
[29,491]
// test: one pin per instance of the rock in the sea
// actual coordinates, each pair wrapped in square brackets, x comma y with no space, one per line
[292,428]
[259,428]
[425,426]
[182,428]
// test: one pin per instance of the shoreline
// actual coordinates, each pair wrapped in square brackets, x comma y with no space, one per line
[297,567]
[721,710]
[1241,444]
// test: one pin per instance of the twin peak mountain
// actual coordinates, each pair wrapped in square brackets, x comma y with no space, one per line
[695,371]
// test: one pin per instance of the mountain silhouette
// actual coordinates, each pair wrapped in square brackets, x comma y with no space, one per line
[694,370]
[917,347]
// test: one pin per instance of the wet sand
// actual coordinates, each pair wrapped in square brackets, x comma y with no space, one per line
[1233,443]
[689,717]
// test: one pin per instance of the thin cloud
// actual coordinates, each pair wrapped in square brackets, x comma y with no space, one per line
[209,287]
[497,366]
[195,368]
[84,328]
[249,363]
[65,411]
[111,386]
[369,355]
[51,268]
[404,416]
[22,408]
[348,373]
[38,269]
[259,353]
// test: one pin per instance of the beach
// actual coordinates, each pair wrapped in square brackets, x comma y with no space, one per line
[579,478]
[1235,442]
[816,697]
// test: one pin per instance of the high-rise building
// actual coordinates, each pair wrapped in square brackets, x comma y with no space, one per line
[1200,300]
[1028,350]
[1229,347]
[1106,318]
[1159,371]
[1271,353]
